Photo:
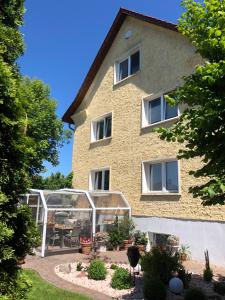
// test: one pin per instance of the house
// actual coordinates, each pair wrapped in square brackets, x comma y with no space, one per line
[119,103]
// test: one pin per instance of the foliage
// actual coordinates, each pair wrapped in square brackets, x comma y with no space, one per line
[140,238]
[172,240]
[208,273]
[45,291]
[114,267]
[102,236]
[195,294]
[121,279]
[201,128]
[184,275]
[219,287]
[28,136]
[53,182]
[126,227]
[133,256]
[97,270]
[159,264]
[154,289]
[79,266]
[42,126]
[18,284]
[184,250]
[115,238]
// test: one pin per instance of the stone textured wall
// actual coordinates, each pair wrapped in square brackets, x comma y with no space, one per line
[166,57]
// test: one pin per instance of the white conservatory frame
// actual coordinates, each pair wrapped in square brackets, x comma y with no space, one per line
[41,199]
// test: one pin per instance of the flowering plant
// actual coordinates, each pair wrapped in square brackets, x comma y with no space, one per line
[172,240]
[102,236]
[85,240]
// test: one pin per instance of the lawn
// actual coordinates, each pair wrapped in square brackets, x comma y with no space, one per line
[45,291]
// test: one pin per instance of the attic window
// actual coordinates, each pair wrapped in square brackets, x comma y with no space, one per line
[127,66]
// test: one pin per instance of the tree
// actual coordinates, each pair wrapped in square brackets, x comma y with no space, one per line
[23,147]
[201,128]
[53,182]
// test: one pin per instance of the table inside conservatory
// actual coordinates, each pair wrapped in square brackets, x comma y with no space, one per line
[63,229]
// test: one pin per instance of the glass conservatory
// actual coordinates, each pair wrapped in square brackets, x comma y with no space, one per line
[63,216]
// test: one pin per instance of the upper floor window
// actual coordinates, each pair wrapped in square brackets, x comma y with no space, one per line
[102,128]
[160,176]
[100,180]
[158,110]
[127,66]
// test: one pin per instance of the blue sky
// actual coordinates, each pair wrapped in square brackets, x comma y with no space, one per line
[62,39]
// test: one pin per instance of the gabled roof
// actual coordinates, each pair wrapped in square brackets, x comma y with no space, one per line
[121,16]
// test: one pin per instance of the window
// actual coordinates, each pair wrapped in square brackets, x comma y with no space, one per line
[158,110]
[160,177]
[102,128]
[100,180]
[128,66]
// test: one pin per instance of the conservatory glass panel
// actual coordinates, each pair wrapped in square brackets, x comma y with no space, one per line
[106,218]
[108,199]
[67,200]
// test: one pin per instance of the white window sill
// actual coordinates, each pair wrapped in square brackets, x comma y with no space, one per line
[98,141]
[160,194]
[160,123]
[128,77]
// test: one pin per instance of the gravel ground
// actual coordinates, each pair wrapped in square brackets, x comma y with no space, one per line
[69,272]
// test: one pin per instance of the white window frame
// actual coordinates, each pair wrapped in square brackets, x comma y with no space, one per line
[94,127]
[123,58]
[146,180]
[145,111]
[92,178]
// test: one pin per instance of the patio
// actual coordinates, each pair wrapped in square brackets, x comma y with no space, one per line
[66,216]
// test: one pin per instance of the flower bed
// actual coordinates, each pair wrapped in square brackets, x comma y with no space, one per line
[71,274]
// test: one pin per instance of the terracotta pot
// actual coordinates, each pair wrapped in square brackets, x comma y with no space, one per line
[183,256]
[127,244]
[20,260]
[86,248]
[141,248]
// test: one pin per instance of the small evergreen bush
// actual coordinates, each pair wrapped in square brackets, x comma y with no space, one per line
[154,289]
[97,270]
[160,264]
[219,287]
[208,275]
[195,294]
[114,267]
[121,279]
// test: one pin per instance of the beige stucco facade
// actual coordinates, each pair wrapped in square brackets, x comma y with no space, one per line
[166,57]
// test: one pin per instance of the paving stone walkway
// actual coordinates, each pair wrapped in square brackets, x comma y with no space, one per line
[45,267]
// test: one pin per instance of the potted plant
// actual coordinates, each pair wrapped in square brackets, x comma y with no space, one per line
[102,239]
[85,240]
[184,252]
[140,240]
[126,227]
[115,237]
[172,243]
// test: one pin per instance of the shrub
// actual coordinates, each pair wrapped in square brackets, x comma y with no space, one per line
[97,270]
[219,287]
[195,294]
[160,264]
[208,275]
[185,276]
[154,289]
[121,279]
[114,267]
[79,266]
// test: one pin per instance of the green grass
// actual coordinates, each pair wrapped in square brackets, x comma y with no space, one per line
[42,290]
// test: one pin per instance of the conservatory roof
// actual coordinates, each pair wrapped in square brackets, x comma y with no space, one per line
[73,199]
